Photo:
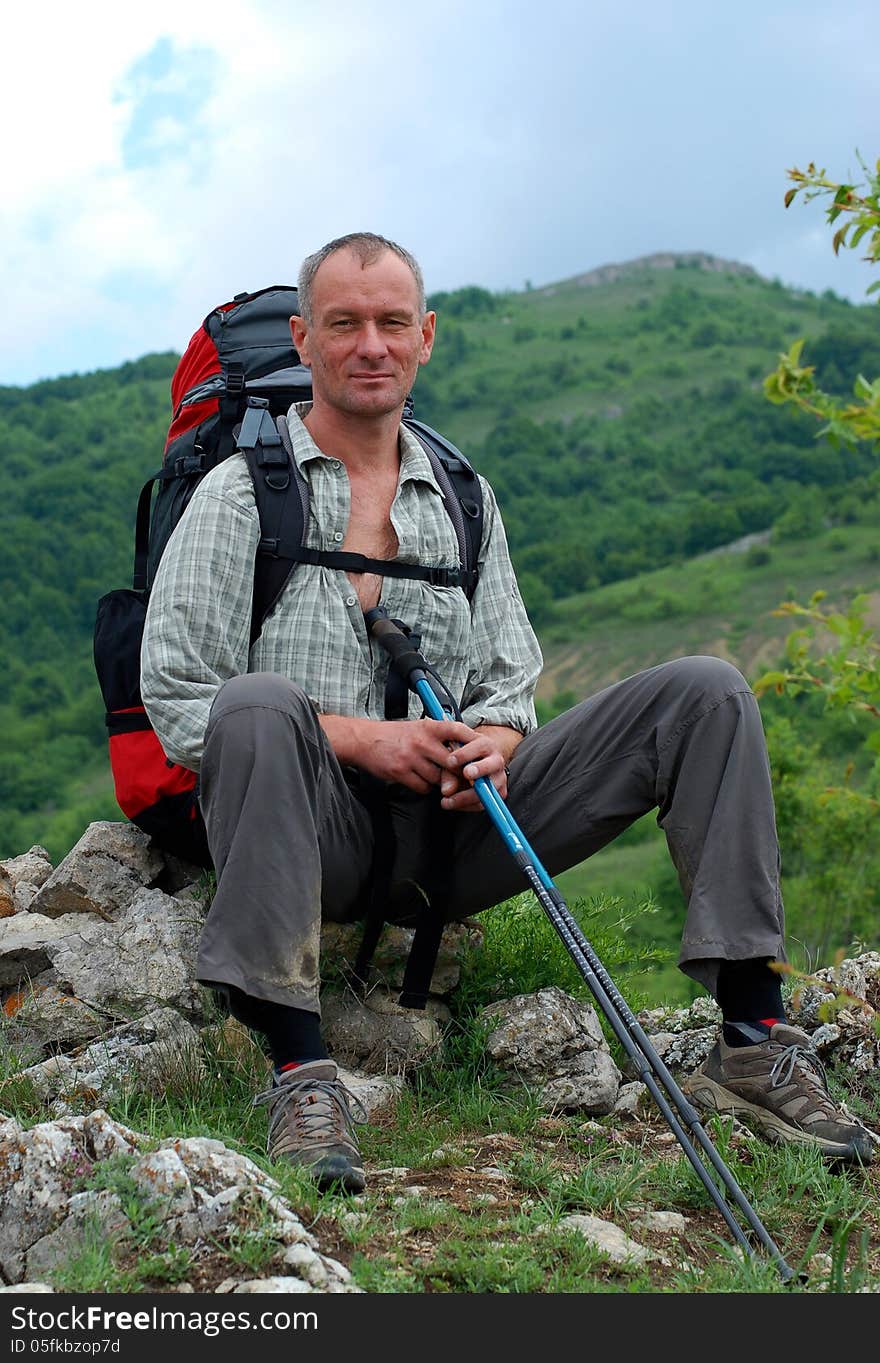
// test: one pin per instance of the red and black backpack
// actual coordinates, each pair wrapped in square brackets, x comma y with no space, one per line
[230,392]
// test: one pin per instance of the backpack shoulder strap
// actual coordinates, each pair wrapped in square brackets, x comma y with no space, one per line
[282,497]
[461,492]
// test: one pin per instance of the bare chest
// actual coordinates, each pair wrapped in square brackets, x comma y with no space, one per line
[370,532]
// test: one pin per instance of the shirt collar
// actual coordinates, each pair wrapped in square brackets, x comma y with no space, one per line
[415,466]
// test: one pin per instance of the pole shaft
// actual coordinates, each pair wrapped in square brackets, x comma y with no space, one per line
[622,1020]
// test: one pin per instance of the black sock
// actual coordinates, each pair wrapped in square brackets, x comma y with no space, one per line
[750,999]
[293,1034]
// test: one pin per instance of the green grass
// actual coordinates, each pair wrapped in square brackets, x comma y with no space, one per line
[466,1232]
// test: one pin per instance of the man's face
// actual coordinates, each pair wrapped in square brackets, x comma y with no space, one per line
[367,336]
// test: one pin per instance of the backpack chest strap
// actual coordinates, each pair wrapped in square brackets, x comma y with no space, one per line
[359,563]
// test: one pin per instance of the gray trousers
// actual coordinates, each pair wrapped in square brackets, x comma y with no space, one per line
[292,841]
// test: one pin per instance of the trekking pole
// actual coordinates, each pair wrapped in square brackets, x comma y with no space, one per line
[421,678]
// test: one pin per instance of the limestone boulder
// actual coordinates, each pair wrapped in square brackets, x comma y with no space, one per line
[143,957]
[20,879]
[556,1043]
[40,1170]
[101,874]
[26,944]
[149,1053]
[376,1035]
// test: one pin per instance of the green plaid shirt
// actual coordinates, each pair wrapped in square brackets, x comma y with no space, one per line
[199,615]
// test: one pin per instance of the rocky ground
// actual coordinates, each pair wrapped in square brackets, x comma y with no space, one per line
[98,996]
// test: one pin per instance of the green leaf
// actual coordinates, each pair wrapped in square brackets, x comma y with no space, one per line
[770,679]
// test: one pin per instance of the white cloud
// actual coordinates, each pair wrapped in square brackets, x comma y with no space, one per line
[497,142]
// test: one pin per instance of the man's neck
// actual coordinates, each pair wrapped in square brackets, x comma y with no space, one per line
[361,442]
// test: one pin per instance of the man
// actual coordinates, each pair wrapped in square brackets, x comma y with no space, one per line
[287,737]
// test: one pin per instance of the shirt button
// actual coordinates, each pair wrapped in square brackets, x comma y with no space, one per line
[339,537]
[351,601]
[337,463]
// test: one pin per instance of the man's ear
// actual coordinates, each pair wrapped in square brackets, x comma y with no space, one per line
[300,334]
[429,324]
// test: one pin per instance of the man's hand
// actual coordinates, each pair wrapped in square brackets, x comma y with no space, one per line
[488,754]
[421,753]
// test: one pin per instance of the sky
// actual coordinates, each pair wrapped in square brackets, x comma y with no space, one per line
[159,158]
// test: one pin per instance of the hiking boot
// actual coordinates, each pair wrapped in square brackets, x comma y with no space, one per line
[311,1124]
[780,1087]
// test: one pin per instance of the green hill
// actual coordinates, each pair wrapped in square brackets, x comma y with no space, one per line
[619,416]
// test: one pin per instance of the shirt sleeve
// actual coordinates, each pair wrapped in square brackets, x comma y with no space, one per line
[506,658]
[197,630]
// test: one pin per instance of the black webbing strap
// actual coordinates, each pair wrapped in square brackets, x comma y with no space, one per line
[422,959]
[142,535]
[229,407]
[431,920]
[436,839]
[358,563]
[374,795]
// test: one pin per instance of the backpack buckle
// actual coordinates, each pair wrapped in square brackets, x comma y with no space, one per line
[187,464]
[235,380]
[444,577]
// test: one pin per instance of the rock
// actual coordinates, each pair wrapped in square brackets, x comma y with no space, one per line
[376,1093]
[843,1032]
[683,1051]
[30,868]
[197,1191]
[56,1019]
[826,1037]
[273,1285]
[703,1012]
[632,1100]
[40,1170]
[555,1042]
[377,1035]
[102,873]
[532,1032]
[25,941]
[21,878]
[7,896]
[25,895]
[144,957]
[148,1052]
[610,1239]
[90,1214]
[663,1223]
[591,1085]
[858,976]
[28,1287]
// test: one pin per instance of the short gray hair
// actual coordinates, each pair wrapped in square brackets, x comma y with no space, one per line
[368,247]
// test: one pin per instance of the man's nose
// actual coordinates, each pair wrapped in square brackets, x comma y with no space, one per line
[371,342]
